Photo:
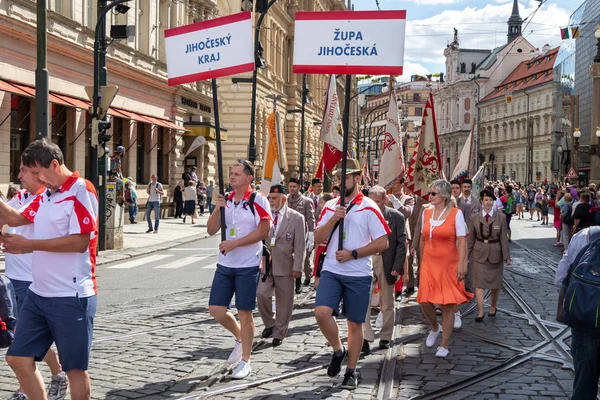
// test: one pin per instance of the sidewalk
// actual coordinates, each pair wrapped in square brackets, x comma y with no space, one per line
[172,232]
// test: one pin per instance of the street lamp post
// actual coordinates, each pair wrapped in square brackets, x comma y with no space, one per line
[258,50]
[595,74]
[41,75]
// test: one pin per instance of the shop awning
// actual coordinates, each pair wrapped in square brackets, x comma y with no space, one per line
[204,129]
[8,87]
[144,118]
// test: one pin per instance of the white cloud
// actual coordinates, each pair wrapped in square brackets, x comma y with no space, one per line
[479,28]
[412,68]
[434,2]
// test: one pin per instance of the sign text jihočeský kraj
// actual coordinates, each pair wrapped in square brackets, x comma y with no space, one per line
[210,49]
[349,42]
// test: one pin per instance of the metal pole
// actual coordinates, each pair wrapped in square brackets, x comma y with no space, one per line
[304,92]
[101,163]
[252,142]
[219,154]
[42,86]
[345,125]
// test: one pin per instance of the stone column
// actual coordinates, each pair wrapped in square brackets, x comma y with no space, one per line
[115,218]
[5,110]
[76,135]
[595,159]
[130,144]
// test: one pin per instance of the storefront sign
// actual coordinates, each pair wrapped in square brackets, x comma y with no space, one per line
[349,42]
[209,49]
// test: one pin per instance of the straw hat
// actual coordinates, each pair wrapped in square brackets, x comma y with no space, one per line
[352,167]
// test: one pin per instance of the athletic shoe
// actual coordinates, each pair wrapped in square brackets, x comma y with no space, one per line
[457,320]
[18,396]
[57,388]
[242,370]
[441,352]
[335,366]
[350,381]
[236,353]
[432,337]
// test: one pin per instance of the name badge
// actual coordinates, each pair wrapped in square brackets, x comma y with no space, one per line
[232,233]
[272,243]
[344,236]
[496,227]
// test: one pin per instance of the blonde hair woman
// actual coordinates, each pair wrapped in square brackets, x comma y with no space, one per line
[443,246]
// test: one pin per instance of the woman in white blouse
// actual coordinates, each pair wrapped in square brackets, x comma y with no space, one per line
[443,246]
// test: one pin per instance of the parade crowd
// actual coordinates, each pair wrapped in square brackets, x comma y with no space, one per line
[447,247]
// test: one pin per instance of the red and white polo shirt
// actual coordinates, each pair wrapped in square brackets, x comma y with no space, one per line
[363,224]
[241,221]
[18,266]
[71,210]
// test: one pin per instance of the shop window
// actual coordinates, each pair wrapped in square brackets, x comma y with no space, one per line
[19,132]
[58,125]
[160,153]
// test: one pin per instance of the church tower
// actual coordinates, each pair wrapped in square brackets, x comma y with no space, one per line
[515,22]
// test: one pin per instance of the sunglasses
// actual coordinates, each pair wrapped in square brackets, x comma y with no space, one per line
[434,193]
[247,167]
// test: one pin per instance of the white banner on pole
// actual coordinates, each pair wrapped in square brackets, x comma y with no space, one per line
[349,42]
[199,141]
[210,49]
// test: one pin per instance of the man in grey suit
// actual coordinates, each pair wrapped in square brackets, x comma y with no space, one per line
[474,206]
[387,267]
[457,194]
[287,242]
[305,206]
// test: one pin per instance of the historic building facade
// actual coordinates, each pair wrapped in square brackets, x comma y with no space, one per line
[517,122]
[146,115]
[471,74]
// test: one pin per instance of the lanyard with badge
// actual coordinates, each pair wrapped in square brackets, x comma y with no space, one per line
[276,225]
[234,210]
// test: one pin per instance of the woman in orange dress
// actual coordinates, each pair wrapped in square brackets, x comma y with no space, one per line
[443,246]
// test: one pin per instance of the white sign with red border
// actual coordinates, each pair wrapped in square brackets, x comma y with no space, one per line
[210,49]
[349,42]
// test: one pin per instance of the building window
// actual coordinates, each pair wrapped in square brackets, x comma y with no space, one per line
[547,100]
[416,97]
[418,111]
[20,109]
[162,156]
[143,27]
[90,12]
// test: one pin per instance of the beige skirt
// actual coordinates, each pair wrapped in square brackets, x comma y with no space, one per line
[487,275]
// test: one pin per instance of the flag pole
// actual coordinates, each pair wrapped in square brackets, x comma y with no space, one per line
[219,154]
[345,123]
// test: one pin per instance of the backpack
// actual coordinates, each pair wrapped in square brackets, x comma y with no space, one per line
[7,313]
[568,218]
[511,202]
[582,286]
[250,201]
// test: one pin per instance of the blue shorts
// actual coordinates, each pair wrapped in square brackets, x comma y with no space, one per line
[354,290]
[20,288]
[241,281]
[67,321]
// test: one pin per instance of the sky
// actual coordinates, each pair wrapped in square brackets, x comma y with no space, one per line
[481,24]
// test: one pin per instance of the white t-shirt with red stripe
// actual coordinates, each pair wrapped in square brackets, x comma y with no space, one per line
[240,218]
[363,224]
[18,266]
[71,210]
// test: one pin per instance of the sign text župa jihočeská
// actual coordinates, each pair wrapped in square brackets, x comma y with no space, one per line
[348,49]
[349,42]
[209,49]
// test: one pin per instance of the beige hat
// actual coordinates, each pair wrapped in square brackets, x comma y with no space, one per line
[352,167]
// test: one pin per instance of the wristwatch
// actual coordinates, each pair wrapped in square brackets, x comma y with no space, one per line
[355,254]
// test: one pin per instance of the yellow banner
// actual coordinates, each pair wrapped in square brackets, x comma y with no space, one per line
[272,155]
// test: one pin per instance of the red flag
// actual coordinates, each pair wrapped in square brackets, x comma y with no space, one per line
[330,158]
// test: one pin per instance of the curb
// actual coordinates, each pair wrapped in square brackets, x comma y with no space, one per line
[150,250]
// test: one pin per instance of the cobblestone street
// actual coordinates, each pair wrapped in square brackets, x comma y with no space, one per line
[170,347]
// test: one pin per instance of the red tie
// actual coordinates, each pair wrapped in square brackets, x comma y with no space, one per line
[487,217]
[275,221]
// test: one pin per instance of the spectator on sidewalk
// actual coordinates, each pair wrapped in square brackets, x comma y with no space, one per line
[195,175]
[209,196]
[18,270]
[130,197]
[581,216]
[189,199]
[61,302]
[187,175]
[240,256]
[388,267]
[201,193]
[178,199]
[347,273]
[155,191]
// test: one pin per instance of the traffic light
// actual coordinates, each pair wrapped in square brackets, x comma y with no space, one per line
[103,126]
[259,62]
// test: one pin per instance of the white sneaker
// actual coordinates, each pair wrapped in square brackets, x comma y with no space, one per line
[242,370]
[379,321]
[57,388]
[441,352]
[457,320]
[432,337]
[236,353]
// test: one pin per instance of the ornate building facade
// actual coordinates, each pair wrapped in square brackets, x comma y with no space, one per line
[517,121]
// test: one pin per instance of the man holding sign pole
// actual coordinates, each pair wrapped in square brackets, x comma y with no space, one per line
[247,224]
[346,274]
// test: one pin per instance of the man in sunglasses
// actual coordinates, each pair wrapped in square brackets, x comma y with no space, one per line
[246,226]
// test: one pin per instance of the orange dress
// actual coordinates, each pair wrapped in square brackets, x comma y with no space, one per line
[438,283]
